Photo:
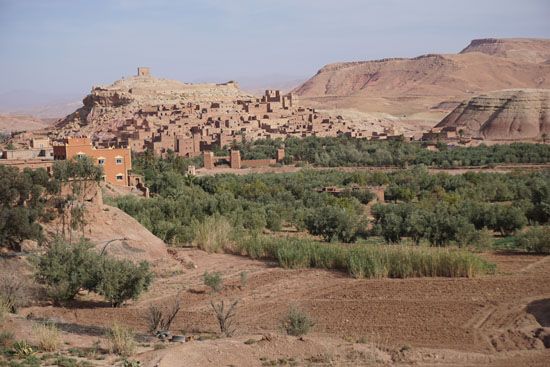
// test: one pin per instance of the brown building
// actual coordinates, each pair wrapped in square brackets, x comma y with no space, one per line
[116,162]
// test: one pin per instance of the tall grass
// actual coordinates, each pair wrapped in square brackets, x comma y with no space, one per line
[48,336]
[4,309]
[121,340]
[213,234]
[366,261]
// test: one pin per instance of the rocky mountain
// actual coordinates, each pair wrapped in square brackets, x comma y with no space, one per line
[106,107]
[405,86]
[517,114]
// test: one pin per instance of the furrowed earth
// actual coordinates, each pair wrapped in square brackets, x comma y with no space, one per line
[496,320]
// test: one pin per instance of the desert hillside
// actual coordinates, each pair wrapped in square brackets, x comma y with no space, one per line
[10,123]
[405,86]
[503,115]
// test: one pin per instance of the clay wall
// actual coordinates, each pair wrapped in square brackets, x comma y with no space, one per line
[21,164]
[254,163]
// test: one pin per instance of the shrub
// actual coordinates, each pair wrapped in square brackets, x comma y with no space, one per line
[160,319]
[535,239]
[48,336]
[213,280]
[13,291]
[212,234]
[296,322]
[65,269]
[225,316]
[22,349]
[121,340]
[119,281]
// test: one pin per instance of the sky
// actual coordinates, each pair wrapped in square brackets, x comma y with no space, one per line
[64,47]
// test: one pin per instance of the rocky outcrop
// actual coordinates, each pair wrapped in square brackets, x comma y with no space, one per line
[503,115]
[405,86]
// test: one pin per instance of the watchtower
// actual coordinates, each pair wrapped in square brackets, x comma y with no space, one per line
[143,71]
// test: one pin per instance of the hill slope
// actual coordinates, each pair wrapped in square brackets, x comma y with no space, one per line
[12,123]
[502,115]
[401,85]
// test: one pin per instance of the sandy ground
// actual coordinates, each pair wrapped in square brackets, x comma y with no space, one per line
[498,320]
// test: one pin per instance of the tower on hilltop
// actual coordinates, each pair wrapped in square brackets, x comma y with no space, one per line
[143,71]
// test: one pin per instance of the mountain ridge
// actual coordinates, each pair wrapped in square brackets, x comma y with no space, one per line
[410,85]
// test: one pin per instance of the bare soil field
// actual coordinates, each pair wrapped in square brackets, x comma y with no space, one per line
[497,320]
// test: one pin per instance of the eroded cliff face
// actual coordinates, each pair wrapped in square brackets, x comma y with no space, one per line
[503,115]
[519,49]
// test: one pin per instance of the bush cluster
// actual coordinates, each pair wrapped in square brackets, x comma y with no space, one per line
[213,280]
[66,269]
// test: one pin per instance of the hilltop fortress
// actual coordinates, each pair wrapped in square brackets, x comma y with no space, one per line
[143,112]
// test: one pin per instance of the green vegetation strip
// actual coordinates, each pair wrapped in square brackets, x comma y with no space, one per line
[366,261]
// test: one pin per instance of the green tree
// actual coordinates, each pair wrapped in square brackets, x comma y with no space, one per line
[333,223]
[23,197]
[508,219]
[65,269]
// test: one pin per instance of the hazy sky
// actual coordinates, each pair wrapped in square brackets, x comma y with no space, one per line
[66,46]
